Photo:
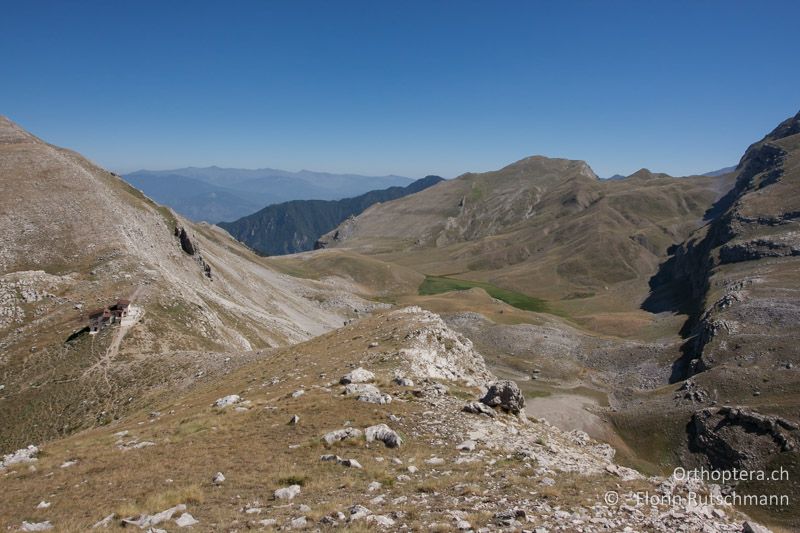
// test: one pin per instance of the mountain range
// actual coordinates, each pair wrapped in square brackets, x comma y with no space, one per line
[295,226]
[498,351]
[215,194]
[547,228]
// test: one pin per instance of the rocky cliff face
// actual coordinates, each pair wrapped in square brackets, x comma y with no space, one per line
[738,277]
[735,438]
[740,267]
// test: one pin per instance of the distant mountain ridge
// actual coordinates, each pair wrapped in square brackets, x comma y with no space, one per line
[721,172]
[213,194]
[295,226]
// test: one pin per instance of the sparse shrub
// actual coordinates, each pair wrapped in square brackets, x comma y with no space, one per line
[293,480]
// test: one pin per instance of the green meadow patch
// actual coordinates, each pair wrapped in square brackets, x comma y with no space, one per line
[441,284]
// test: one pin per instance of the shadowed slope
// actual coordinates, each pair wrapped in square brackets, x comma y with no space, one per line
[295,226]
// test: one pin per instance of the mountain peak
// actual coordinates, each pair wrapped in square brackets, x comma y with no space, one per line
[11,133]
[645,173]
[540,163]
[787,128]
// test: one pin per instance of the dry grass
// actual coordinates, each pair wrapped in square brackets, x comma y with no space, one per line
[158,501]
[256,450]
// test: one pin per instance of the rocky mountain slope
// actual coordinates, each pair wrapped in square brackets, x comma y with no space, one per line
[741,394]
[295,226]
[391,423]
[214,194]
[75,238]
[546,228]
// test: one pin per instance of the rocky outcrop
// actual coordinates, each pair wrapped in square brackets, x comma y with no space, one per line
[333,437]
[190,247]
[147,521]
[383,433]
[692,392]
[23,455]
[359,375]
[343,232]
[435,351]
[186,242]
[506,395]
[760,248]
[737,438]
[287,493]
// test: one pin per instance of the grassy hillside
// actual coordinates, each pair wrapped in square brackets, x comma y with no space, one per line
[544,228]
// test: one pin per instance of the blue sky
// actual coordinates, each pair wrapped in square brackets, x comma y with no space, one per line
[409,88]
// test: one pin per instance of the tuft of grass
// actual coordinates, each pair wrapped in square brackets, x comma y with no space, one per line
[441,284]
[157,502]
[293,480]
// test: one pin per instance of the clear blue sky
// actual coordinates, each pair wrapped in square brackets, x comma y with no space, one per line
[409,88]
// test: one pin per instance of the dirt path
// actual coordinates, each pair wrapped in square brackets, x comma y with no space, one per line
[122,330]
[103,363]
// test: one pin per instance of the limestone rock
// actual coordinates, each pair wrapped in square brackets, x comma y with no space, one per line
[186,520]
[383,433]
[225,401]
[351,463]
[478,408]
[36,526]
[375,397]
[360,388]
[299,523]
[359,375]
[357,512]
[24,455]
[105,522]
[381,520]
[403,381]
[144,521]
[287,493]
[466,446]
[341,434]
